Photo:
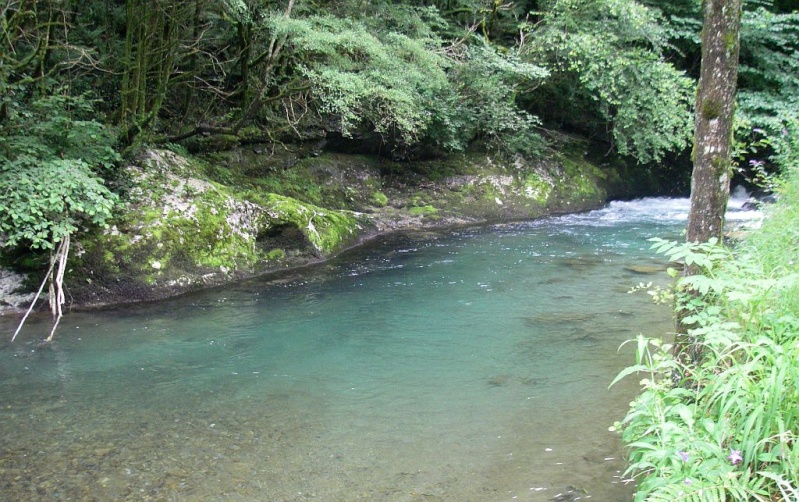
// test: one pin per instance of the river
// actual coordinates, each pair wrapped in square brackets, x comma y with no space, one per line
[466,365]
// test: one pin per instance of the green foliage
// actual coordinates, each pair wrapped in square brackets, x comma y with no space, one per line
[390,84]
[725,427]
[681,21]
[49,200]
[406,89]
[49,151]
[414,79]
[55,125]
[423,23]
[487,84]
[608,54]
[768,75]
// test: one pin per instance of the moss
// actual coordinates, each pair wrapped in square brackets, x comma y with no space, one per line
[419,199]
[439,170]
[176,227]
[537,188]
[711,109]
[428,211]
[580,183]
[730,42]
[179,227]
[209,226]
[202,232]
[379,199]
[206,234]
[327,230]
[335,230]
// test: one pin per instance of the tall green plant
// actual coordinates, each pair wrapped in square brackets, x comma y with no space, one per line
[724,427]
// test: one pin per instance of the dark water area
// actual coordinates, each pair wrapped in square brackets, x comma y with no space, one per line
[468,365]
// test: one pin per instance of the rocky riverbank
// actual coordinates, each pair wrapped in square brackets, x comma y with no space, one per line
[188,222]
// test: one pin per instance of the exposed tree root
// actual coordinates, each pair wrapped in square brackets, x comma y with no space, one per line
[55,281]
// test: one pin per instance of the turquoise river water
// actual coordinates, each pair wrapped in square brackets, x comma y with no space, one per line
[467,365]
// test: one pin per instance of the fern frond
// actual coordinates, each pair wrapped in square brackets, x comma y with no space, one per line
[695,492]
[727,488]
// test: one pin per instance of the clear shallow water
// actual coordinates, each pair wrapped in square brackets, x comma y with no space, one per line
[467,365]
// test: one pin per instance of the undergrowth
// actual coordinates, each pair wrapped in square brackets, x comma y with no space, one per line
[725,427]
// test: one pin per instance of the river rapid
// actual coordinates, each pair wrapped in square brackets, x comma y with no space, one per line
[466,365]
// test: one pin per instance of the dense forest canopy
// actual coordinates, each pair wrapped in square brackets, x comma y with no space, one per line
[81,82]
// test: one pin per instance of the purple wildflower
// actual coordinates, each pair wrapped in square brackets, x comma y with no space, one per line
[735,457]
[688,482]
[683,455]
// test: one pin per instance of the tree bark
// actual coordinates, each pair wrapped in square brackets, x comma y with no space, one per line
[715,106]
[715,103]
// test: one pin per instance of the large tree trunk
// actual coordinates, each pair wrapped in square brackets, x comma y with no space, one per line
[715,102]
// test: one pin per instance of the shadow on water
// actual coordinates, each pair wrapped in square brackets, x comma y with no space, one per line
[469,365]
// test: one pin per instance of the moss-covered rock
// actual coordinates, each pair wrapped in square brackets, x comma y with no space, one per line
[328,231]
[487,188]
[179,232]
[189,223]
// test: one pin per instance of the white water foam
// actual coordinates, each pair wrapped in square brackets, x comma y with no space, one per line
[664,210]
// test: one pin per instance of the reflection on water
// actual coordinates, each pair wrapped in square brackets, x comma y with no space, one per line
[471,365]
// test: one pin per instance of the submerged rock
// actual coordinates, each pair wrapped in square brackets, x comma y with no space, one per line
[570,494]
[645,269]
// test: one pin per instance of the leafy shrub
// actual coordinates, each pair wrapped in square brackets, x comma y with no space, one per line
[49,152]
